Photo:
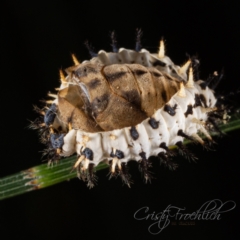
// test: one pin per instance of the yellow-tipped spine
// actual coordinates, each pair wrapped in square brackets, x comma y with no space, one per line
[184,68]
[181,92]
[190,82]
[161,52]
[75,60]
[62,77]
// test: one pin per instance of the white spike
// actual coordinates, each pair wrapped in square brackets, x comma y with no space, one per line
[207,110]
[119,165]
[62,77]
[52,95]
[184,68]
[85,164]
[196,137]
[181,92]
[49,101]
[190,83]
[205,132]
[75,60]
[114,163]
[80,159]
[161,52]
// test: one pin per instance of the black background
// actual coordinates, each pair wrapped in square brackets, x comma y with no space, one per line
[38,39]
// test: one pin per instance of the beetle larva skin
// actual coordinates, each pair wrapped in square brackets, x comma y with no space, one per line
[116,96]
[123,106]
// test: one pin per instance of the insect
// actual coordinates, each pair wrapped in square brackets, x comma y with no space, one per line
[128,105]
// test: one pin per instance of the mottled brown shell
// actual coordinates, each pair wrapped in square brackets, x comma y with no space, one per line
[104,98]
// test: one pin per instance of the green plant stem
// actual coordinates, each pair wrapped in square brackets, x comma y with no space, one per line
[43,175]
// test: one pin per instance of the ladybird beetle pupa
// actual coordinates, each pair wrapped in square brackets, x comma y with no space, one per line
[127,104]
